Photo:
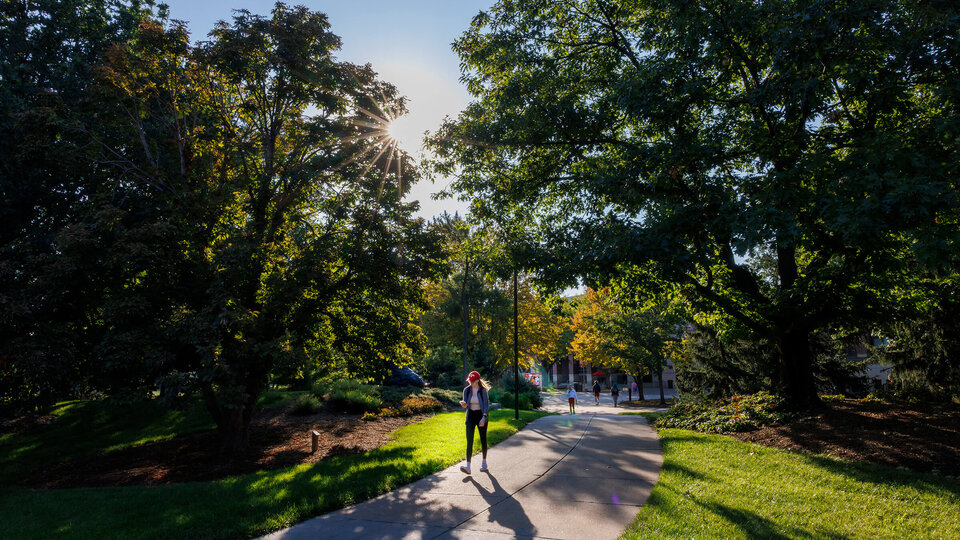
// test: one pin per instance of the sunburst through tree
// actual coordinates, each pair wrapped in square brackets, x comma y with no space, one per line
[378,124]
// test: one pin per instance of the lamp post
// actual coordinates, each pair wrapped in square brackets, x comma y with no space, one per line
[516,349]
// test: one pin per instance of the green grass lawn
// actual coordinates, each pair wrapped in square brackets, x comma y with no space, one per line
[714,486]
[249,505]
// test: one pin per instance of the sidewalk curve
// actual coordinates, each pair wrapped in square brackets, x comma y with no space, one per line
[561,477]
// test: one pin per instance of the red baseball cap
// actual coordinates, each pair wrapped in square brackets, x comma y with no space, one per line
[473,376]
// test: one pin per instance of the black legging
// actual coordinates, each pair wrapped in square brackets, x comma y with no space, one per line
[473,420]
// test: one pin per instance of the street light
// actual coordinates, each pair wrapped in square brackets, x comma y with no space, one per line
[516,349]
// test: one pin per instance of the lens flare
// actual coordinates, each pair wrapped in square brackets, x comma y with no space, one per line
[382,135]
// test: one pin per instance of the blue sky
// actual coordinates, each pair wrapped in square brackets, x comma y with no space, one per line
[406,41]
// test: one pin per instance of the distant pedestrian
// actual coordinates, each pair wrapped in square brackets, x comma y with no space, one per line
[639,397]
[615,393]
[476,400]
[596,392]
[572,399]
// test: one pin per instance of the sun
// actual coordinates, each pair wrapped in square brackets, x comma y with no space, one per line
[385,135]
[404,131]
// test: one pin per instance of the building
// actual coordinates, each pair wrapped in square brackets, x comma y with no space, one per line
[567,370]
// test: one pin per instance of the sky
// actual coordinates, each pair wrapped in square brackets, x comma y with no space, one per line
[406,41]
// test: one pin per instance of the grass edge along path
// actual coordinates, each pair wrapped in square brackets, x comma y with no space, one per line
[714,486]
[249,505]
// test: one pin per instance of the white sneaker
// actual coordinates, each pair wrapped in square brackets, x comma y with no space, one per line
[465,468]
[483,466]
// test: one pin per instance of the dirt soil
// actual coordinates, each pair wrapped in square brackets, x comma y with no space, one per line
[917,437]
[277,439]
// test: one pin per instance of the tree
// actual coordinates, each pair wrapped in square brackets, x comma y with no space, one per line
[540,328]
[639,341]
[921,342]
[261,215]
[48,323]
[691,137]
[588,340]
[614,331]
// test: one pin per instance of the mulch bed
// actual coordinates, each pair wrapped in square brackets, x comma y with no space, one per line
[277,439]
[917,437]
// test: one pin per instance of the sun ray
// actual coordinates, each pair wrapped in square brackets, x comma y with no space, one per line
[383,178]
[365,136]
[366,123]
[373,161]
[359,155]
[376,143]
[399,174]
[379,119]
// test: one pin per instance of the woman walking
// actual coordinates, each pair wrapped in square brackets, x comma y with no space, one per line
[572,399]
[615,393]
[476,401]
[596,392]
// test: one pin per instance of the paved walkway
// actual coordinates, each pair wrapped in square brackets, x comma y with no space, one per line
[557,402]
[561,477]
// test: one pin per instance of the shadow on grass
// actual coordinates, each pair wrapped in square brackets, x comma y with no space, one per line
[241,506]
[753,525]
[85,428]
[236,507]
[687,477]
[868,473]
[871,473]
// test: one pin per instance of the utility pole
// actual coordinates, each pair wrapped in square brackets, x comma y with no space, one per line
[516,349]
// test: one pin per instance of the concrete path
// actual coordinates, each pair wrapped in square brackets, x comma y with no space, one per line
[557,403]
[561,477]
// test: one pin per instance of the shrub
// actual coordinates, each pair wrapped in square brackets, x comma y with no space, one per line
[349,396]
[306,405]
[413,404]
[528,399]
[507,401]
[394,395]
[527,388]
[368,416]
[421,404]
[449,397]
[739,413]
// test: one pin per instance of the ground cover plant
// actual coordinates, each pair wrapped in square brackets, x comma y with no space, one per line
[349,395]
[715,486]
[737,413]
[247,505]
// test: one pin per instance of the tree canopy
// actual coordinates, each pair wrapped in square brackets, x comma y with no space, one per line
[689,139]
[244,214]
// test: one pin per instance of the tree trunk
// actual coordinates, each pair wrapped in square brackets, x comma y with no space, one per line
[796,370]
[663,401]
[233,430]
